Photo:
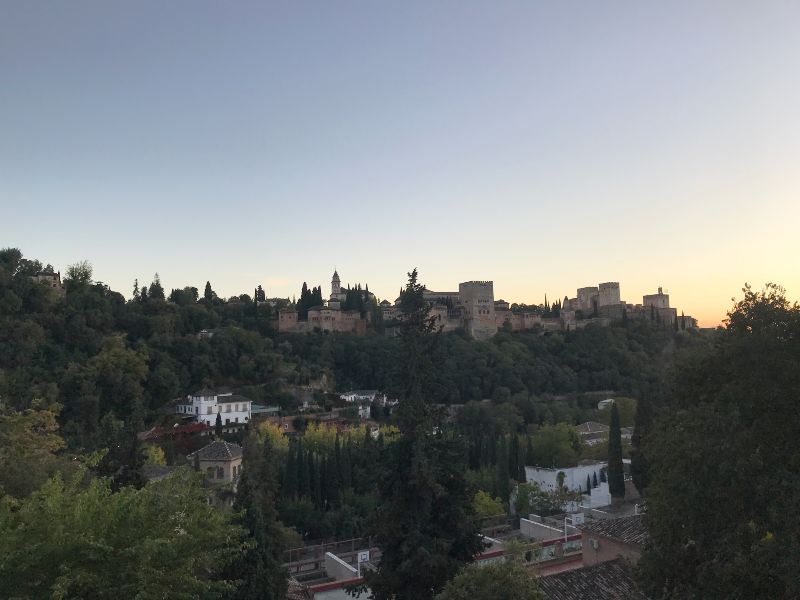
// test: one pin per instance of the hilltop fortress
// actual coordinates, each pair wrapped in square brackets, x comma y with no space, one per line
[474,309]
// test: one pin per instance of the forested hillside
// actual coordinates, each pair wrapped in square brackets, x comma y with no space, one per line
[96,354]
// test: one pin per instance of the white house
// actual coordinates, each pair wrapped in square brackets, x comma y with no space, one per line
[364,396]
[203,407]
[574,477]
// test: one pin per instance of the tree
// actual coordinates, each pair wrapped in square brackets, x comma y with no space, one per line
[729,431]
[29,443]
[499,581]
[80,272]
[259,571]
[424,521]
[485,506]
[556,446]
[73,540]
[616,475]
[208,293]
[503,484]
[643,423]
[218,426]
[156,290]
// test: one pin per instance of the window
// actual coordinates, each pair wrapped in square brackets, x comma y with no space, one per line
[227,421]
[236,419]
[227,408]
[220,473]
[210,473]
[208,410]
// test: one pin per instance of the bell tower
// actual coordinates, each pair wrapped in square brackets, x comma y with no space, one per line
[336,284]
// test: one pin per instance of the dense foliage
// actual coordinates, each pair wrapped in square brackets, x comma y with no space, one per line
[424,523]
[499,581]
[70,539]
[724,463]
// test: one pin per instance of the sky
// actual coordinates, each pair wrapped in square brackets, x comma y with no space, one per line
[543,145]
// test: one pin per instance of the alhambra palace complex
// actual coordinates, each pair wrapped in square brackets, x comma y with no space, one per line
[474,309]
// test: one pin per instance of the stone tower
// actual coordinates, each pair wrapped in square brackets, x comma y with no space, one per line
[336,285]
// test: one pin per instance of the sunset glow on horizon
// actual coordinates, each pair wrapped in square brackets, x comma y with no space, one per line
[543,147]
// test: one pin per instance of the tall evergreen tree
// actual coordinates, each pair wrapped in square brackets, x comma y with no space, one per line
[290,482]
[424,523]
[156,290]
[218,426]
[208,293]
[502,483]
[616,475]
[513,457]
[259,570]
[642,424]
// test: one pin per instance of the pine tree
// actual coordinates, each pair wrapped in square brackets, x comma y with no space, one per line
[616,476]
[208,293]
[424,523]
[135,295]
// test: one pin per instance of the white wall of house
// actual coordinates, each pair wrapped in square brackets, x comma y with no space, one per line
[574,477]
[204,409]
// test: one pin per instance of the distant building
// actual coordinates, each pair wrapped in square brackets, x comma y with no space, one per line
[330,318]
[610,539]
[52,281]
[363,396]
[613,580]
[604,404]
[220,461]
[574,477]
[203,407]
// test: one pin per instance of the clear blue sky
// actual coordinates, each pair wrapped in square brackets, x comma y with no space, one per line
[544,145]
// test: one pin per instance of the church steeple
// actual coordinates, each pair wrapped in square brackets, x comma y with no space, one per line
[336,284]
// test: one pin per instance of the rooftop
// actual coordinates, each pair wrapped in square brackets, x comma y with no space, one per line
[218,450]
[630,530]
[612,580]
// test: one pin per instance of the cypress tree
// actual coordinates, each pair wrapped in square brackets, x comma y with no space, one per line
[588,485]
[259,571]
[316,472]
[594,480]
[290,475]
[642,424]
[616,477]
[530,457]
[502,483]
[303,482]
[218,427]
[513,457]
[208,293]
[424,521]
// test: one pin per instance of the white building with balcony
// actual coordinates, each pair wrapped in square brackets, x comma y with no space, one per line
[234,410]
